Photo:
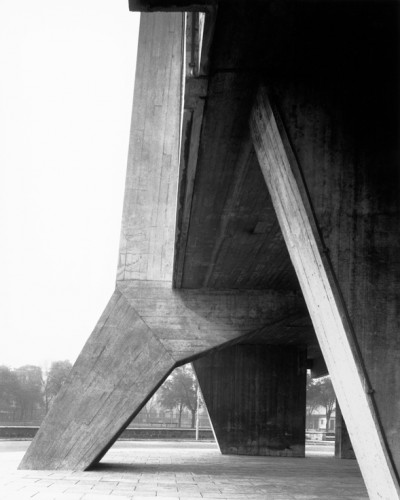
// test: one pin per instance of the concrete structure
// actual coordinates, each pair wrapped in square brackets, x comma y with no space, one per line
[255,398]
[262,208]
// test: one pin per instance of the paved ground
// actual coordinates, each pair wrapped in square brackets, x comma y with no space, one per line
[182,471]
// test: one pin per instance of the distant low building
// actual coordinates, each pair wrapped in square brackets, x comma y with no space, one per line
[316,424]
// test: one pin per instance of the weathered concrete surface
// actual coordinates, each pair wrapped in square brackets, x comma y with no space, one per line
[345,135]
[148,222]
[121,364]
[255,396]
[352,174]
[323,297]
[189,323]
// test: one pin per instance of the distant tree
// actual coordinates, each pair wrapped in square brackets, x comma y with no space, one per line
[30,391]
[313,395]
[149,411]
[327,397]
[180,391]
[56,376]
[320,393]
[149,407]
[191,402]
[9,391]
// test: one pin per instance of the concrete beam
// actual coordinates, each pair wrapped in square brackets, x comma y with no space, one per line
[195,92]
[190,323]
[318,368]
[323,297]
[168,6]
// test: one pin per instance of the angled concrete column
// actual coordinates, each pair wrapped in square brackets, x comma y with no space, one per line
[370,424]
[255,396]
[343,446]
[121,363]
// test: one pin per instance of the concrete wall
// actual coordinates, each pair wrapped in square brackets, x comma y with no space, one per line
[255,396]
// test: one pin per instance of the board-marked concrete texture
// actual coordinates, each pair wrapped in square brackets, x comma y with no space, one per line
[255,396]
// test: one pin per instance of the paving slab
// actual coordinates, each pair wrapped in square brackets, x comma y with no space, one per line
[182,471]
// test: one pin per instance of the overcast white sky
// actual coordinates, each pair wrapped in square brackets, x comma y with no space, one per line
[66,88]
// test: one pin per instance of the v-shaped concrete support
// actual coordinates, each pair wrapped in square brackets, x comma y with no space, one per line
[146,330]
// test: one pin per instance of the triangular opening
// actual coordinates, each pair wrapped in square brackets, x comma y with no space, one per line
[175,411]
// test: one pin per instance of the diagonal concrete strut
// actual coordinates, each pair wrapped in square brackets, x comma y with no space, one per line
[323,297]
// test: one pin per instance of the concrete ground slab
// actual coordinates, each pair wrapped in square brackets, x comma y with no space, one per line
[182,471]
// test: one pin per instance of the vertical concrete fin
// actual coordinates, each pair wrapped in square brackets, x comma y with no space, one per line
[149,214]
[323,298]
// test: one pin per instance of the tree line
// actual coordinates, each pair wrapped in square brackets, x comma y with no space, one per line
[180,391]
[26,393]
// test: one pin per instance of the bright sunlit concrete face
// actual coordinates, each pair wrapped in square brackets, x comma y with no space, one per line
[65,106]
